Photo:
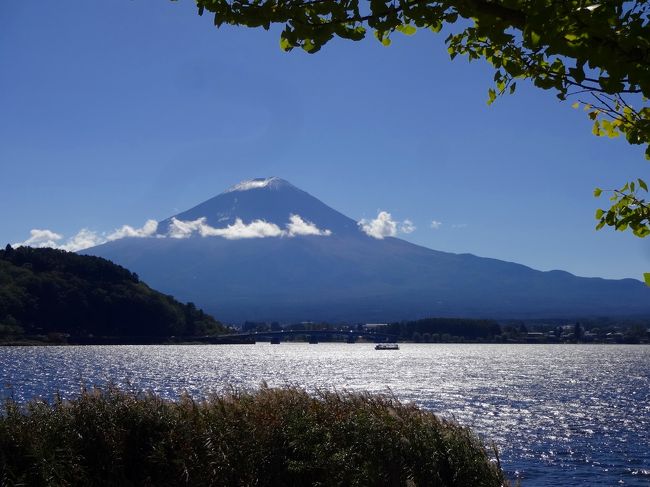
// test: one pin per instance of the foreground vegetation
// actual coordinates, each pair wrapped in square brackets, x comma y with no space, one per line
[61,294]
[268,437]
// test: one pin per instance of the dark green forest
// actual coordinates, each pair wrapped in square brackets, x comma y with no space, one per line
[48,292]
[435,329]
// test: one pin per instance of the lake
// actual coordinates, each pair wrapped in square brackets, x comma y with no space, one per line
[560,414]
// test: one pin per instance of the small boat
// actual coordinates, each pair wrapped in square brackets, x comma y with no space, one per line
[387,346]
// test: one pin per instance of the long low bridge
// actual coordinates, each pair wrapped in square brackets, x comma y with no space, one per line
[313,336]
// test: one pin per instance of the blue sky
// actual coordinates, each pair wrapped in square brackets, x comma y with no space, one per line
[113,113]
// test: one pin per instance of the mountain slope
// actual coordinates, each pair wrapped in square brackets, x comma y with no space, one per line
[313,278]
[347,275]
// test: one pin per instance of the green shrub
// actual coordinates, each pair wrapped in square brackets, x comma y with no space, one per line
[268,437]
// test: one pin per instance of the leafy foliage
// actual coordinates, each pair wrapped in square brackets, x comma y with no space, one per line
[52,291]
[628,209]
[269,437]
[593,51]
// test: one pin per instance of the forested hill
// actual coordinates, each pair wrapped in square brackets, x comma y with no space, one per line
[46,291]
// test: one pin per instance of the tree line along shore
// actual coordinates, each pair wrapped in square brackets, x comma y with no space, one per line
[51,296]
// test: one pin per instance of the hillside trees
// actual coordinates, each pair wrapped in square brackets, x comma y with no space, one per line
[595,54]
[52,291]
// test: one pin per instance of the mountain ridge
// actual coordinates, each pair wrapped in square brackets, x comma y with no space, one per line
[345,274]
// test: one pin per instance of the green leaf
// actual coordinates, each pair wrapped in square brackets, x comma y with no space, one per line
[597,193]
[599,214]
[646,278]
[285,45]
[643,184]
[596,128]
[534,38]
[492,95]
[308,45]
[436,27]
[382,37]
[407,29]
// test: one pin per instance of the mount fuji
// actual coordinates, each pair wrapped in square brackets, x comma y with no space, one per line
[266,250]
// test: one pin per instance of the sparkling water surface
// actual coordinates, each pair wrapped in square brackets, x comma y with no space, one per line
[561,415]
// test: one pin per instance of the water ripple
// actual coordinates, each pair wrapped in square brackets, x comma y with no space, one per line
[560,414]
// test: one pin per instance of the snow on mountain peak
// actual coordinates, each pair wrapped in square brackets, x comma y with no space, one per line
[257,183]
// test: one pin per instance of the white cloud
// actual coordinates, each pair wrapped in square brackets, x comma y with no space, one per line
[85,238]
[41,238]
[436,224]
[385,226]
[238,230]
[147,230]
[380,227]
[185,229]
[46,238]
[298,226]
[407,226]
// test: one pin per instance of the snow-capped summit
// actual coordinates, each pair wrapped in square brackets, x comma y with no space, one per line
[273,182]
[273,201]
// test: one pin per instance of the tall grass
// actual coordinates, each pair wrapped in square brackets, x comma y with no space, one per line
[268,437]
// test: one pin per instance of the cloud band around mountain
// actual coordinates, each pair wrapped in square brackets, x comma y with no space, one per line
[179,229]
[297,226]
[85,238]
